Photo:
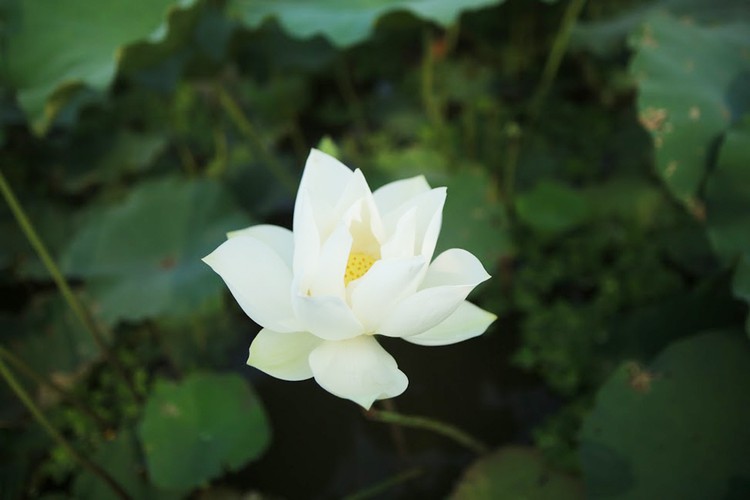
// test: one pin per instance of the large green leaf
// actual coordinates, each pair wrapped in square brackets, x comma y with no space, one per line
[193,430]
[62,44]
[141,258]
[48,325]
[551,207]
[474,219]
[692,85]
[607,37]
[677,429]
[728,206]
[515,472]
[344,22]
[728,196]
[121,458]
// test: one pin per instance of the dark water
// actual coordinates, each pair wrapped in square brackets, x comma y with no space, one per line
[325,447]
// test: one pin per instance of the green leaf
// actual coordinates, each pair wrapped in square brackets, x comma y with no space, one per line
[343,22]
[474,219]
[121,459]
[728,196]
[677,429]
[48,325]
[108,159]
[551,207]
[515,472]
[63,44]
[741,284]
[693,85]
[195,429]
[728,206]
[607,37]
[142,257]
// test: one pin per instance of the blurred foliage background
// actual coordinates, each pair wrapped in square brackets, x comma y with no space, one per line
[597,158]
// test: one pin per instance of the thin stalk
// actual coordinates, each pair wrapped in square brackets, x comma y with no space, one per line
[397,433]
[83,315]
[555,56]
[383,486]
[55,434]
[447,430]
[21,366]
[241,121]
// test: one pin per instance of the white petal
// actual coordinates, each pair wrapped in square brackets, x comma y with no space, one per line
[429,210]
[323,181]
[403,240]
[466,322]
[327,317]
[306,242]
[455,267]
[357,369]
[328,278]
[394,194]
[283,355]
[449,280]
[324,175]
[279,238]
[382,287]
[259,279]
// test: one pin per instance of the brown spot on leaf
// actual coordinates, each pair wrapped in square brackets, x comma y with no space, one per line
[168,262]
[694,113]
[697,208]
[671,168]
[170,410]
[640,378]
[653,118]
[648,40]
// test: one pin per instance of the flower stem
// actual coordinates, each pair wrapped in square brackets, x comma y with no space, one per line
[555,56]
[383,486]
[241,121]
[429,424]
[21,366]
[55,434]
[83,315]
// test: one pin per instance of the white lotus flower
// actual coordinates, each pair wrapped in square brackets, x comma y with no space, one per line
[358,264]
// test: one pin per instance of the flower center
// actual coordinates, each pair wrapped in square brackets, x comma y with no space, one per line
[357,265]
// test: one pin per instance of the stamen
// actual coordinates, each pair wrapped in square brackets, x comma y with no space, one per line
[357,265]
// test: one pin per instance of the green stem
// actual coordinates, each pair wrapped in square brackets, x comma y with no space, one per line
[555,56]
[55,434]
[21,366]
[241,121]
[429,424]
[383,486]
[83,315]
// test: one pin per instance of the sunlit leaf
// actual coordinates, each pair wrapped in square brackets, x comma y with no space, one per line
[60,45]
[343,22]
[675,429]
[141,258]
[194,430]
[515,472]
